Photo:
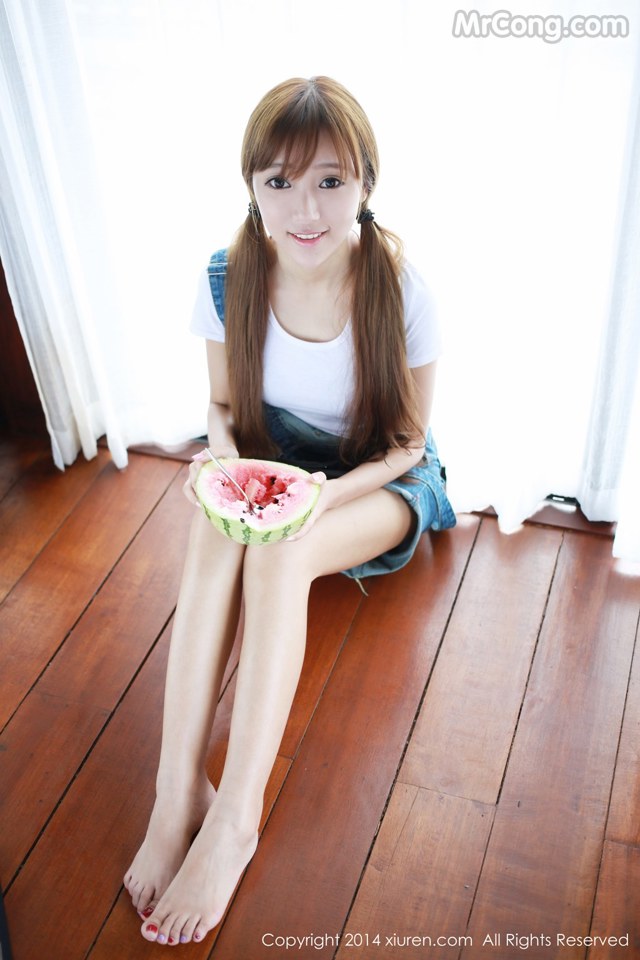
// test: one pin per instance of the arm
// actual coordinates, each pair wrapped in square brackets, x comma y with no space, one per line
[375,473]
[219,422]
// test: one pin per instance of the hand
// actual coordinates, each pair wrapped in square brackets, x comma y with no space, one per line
[197,463]
[323,503]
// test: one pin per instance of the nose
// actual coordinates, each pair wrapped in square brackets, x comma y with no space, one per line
[308,207]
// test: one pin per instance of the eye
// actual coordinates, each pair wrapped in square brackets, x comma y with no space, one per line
[330,183]
[278,183]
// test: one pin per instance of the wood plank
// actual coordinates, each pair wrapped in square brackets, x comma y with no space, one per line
[420,879]
[461,741]
[130,611]
[43,607]
[64,713]
[615,918]
[623,824]
[36,770]
[306,870]
[544,852]
[34,509]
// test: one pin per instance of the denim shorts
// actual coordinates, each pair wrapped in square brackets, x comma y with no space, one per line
[422,486]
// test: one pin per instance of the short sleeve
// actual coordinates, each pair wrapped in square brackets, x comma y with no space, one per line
[205,321]
[424,341]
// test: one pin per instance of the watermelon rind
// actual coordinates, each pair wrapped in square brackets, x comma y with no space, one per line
[261,527]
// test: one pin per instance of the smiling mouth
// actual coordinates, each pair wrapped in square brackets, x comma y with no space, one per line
[308,236]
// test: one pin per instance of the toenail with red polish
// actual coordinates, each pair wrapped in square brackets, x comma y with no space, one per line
[152,928]
[147,912]
[171,940]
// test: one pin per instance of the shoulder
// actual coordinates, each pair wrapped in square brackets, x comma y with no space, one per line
[208,313]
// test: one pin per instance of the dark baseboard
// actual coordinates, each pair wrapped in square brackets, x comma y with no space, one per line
[551,514]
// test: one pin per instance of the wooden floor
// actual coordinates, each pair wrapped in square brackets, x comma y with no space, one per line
[462,760]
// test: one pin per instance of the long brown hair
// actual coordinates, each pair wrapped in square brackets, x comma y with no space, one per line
[384,411]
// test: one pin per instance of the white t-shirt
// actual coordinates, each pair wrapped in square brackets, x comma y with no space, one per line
[314,381]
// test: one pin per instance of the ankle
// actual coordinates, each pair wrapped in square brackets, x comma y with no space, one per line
[178,788]
[241,812]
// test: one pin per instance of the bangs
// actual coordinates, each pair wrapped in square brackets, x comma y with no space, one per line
[287,130]
[295,149]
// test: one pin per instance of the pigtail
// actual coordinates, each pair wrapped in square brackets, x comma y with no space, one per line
[385,411]
[246,313]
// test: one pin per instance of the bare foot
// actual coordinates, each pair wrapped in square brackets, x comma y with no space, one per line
[171,828]
[196,900]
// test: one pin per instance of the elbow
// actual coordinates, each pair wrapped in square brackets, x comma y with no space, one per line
[414,454]
[417,454]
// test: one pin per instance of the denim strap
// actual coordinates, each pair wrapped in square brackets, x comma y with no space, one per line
[217,271]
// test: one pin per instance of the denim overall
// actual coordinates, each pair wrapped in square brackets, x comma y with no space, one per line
[313,449]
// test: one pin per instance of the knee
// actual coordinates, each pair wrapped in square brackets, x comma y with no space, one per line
[209,548]
[277,563]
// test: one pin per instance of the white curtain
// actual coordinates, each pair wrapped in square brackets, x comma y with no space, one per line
[507,167]
[611,478]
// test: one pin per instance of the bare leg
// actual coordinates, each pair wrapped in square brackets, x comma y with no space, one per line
[203,634]
[276,585]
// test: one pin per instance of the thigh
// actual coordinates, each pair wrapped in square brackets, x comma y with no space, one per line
[353,533]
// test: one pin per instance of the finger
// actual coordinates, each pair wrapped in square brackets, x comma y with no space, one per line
[203,455]
[189,493]
[189,486]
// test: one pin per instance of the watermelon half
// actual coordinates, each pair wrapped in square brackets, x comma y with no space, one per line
[282,498]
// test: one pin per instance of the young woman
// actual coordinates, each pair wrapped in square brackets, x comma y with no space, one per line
[321,347]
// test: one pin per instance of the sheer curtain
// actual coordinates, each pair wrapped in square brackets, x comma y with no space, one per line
[506,168]
[90,332]
[611,478]
[52,236]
